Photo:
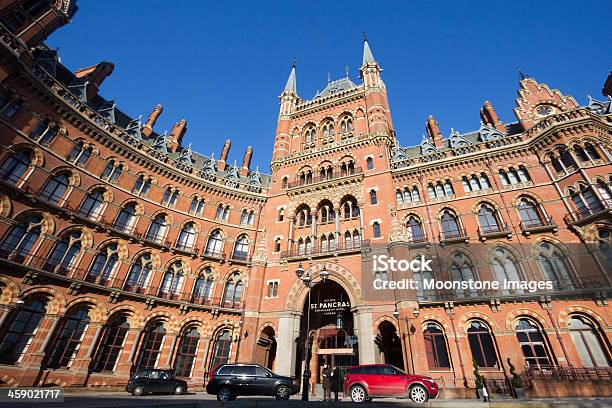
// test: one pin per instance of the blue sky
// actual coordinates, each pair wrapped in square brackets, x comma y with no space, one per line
[222,65]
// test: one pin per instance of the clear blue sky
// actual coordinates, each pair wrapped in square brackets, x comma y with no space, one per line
[223,64]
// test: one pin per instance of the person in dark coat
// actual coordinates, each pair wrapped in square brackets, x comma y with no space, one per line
[335,382]
[326,374]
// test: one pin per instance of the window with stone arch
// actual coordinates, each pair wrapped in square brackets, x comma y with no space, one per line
[45,131]
[172,282]
[80,153]
[414,228]
[221,349]
[346,125]
[451,227]
[55,188]
[482,345]
[327,132]
[303,216]
[15,167]
[151,348]
[310,136]
[203,288]
[350,208]
[530,213]
[420,277]
[68,338]
[187,237]
[126,219]
[142,185]
[605,191]
[462,269]
[186,352]
[534,344]
[20,329]
[214,245]
[157,229]
[197,206]
[93,204]
[489,219]
[436,347]
[19,242]
[112,171]
[241,248]
[506,268]
[104,265]
[114,334]
[66,252]
[232,297]
[140,273]
[584,199]
[554,266]
[326,212]
[587,337]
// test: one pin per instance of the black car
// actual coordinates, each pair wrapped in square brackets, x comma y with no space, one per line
[229,381]
[155,381]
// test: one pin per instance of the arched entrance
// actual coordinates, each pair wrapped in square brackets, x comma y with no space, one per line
[265,350]
[389,345]
[332,335]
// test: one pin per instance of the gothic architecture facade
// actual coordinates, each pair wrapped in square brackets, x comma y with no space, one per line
[122,249]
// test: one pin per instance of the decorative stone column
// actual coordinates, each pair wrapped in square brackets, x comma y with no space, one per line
[288,331]
[363,318]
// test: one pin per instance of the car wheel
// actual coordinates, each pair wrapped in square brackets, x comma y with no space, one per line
[224,394]
[358,394]
[418,394]
[282,393]
[179,390]
[137,391]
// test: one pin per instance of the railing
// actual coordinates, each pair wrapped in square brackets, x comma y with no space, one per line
[240,257]
[453,235]
[566,373]
[590,210]
[544,223]
[499,229]
[81,275]
[337,172]
[187,248]
[338,247]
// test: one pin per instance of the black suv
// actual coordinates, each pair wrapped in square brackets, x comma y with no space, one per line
[154,381]
[229,381]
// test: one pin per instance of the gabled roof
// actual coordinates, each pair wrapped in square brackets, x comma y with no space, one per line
[333,87]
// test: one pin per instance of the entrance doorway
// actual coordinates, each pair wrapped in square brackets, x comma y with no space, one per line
[389,345]
[265,350]
[332,335]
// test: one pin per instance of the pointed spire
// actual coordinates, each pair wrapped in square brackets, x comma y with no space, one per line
[367,53]
[291,85]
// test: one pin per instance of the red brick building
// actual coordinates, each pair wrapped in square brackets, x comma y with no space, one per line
[123,249]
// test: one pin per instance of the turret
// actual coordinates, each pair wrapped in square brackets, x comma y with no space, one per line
[379,117]
[288,101]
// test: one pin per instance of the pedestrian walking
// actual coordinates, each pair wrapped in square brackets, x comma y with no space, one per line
[335,382]
[326,374]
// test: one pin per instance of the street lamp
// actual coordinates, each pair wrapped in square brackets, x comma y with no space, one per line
[307,280]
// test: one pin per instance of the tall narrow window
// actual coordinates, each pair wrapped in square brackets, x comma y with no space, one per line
[66,252]
[435,347]
[505,268]
[450,225]
[172,281]
[55,188]
[202,292]
[139,273]
[487,218]
[373,197]
[370,163]
[482,345]
[187,237]
[415,230]
[151,348]
[241,248]
[376,229]
[221,349]
[233,291]
[530,213]
[104,265]
[157,229]
[68,341]
[92,206]
[214,246]
[113,339]
[126,218]
[186,354]
[22,237]
[21,330]
[588,343]
[14,167]
[462,270]
[141,186]
[533,345]
[553,265]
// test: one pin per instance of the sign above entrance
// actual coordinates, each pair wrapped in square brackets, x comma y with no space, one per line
[330,306]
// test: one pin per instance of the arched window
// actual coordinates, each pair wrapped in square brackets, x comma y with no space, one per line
[420,278]
[126,218]
[450,225]
[300,246]
[80,154]
[482,345]
[241,248]
[55,188]
[436,348]
[415,229]
[166,197]
[591,152]
[356,239]
[221,349]
[141,186]
[197,206]
[138,277]
[21,330]
[112,341]
[244,217]
[44,132]
[605,191]
[488,219]
[214,246]
[112,171]
[553,265]
[173,281]
[585,201]
[104,265]
[203,288]
[14,167]
[69,338]
[399,196]
[308,244]
[505,268]
[284,183]
[93,204]
[157,229]
[151,348]
[348,240]
[567,160]
[530,213]
[373,197]
[233,291]
[22,237]
[66,251]
[346,124]
[186,354]
[187,237]
[462,270]
[588,342]
[369,163]
[327,134]
[376,229]
[533,344]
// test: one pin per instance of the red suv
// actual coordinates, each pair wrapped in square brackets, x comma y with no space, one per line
[365,382]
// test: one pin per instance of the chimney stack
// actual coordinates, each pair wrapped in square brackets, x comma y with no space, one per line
[433,130]
[95,75]
[246,162]
[489,117]
[147,129]
[176,135]
[222,163]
